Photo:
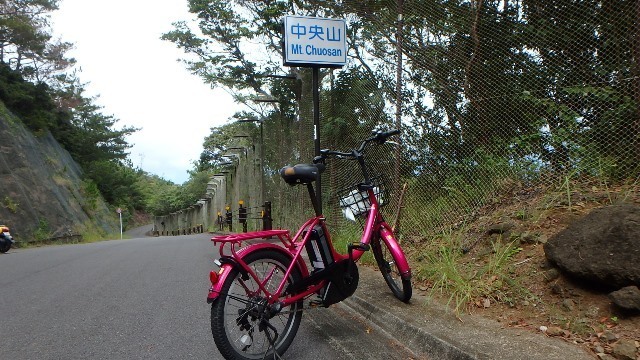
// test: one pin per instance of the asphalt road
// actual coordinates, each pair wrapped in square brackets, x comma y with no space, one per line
[143,298]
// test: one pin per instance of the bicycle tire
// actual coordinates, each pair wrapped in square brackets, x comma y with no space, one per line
[401,288]
[233,325]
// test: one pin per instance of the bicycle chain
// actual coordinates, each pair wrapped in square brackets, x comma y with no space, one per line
[310,305]
[308,308]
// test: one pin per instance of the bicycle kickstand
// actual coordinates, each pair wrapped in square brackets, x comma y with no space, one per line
[266,325]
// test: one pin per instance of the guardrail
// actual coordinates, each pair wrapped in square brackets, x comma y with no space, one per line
[213,214]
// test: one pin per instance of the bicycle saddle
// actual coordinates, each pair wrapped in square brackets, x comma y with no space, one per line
[301,173]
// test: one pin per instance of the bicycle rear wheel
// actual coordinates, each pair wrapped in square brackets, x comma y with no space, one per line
[387,264]
[241,322]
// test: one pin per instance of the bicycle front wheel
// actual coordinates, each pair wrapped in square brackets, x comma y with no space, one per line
[242,324]
[387,264]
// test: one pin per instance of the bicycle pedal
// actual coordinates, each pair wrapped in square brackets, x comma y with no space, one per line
[360,246]
[315,303]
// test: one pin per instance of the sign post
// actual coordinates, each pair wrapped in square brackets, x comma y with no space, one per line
[317,43]
[119,211]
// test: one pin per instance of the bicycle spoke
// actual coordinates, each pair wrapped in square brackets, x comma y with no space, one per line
[243,324]
[268,278]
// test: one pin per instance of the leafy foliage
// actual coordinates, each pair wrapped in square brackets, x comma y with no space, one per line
[163,197]
[490,92]
[116,182]
[214,147]
[26,44]
[32,103]
[35,88]
[94,137]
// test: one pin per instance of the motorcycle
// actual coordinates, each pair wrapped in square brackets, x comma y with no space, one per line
[6,240]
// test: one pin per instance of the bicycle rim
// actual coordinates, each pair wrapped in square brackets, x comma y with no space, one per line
[387,264]
[236,322]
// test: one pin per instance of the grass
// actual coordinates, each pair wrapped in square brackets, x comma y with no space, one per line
[437,223]
[80,234]
[506,271]
[466,282]
[440,268]
[42,232]
[630,189]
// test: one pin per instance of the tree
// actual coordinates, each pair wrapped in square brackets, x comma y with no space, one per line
[95,138]
[32,103]
[584,53]
[25,40]
[214,146]
[116,182]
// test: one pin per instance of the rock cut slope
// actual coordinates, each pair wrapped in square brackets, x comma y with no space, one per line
[41,187]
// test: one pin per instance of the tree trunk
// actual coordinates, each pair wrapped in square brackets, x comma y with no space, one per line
[398,151]
[472,87]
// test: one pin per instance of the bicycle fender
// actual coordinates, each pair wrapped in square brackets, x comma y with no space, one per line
[229,263]
[398,254]
[244,252]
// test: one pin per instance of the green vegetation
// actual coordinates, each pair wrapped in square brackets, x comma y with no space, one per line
[344,236]
[39,86]
[10,204]
[91,194]
[162,197]
[42,232]
[467,281]
[89,233]
[35,87]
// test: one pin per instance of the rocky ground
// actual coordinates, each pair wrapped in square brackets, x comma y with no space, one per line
[548,300]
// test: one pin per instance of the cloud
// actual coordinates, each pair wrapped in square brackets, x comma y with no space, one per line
[139,80]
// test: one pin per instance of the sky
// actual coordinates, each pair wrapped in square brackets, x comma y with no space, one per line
[139,80]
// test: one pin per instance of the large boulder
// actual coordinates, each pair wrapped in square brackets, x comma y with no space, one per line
[603,247]
[627,298]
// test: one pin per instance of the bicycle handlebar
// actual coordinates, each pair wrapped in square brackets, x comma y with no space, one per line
[379,137]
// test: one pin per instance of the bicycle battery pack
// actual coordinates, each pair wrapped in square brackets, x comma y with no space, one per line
[320,254]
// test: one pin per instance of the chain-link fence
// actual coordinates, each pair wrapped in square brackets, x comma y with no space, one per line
[486,93]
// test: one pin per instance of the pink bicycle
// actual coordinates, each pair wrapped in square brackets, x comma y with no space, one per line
[257,294]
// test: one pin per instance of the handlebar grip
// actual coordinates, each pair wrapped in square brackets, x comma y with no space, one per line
[382,137]
[319,159]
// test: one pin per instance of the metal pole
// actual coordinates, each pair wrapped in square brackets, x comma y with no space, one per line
[262,190]
[267,220]
[316,129]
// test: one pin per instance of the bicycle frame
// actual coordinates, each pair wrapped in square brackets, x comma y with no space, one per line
[376,224]
[293,248]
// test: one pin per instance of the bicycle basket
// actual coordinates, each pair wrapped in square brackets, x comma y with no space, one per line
[355,203]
